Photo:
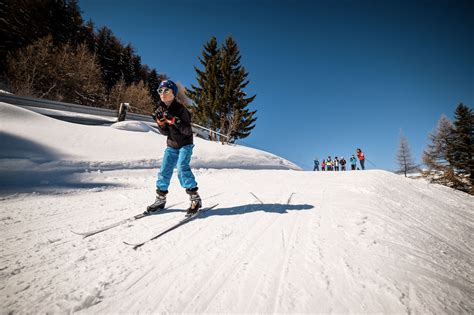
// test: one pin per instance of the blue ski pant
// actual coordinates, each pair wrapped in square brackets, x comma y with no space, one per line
[180,158]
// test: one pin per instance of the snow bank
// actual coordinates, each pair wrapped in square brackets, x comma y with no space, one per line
[51,149]
[132,126]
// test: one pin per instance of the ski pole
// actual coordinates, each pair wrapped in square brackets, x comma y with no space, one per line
[371,163]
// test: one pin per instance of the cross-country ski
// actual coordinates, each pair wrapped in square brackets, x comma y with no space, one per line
[186,219]
[118,223]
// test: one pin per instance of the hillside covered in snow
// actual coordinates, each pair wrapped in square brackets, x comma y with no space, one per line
[280,240]
[51,151]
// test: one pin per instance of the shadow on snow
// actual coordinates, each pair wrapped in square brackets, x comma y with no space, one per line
[22,168]
[266,207]
[243,209]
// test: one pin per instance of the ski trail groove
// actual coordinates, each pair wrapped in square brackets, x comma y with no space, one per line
[229,267]
[258,199]
[285,263]
[440,237]
[169,264]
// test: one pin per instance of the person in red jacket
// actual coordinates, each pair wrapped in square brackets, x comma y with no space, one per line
[361,157]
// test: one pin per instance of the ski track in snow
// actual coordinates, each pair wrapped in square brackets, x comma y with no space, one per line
[358,242]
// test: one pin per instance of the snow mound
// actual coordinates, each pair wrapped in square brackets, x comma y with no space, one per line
[132,126]
[12,112]
[38,149]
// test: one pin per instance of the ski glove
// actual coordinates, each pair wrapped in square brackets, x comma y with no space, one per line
[171,120]
[163,118]
[159,117]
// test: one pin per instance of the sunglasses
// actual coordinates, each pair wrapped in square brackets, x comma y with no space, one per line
[164,91]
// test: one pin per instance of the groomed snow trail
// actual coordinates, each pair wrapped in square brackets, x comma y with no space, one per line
[359,242]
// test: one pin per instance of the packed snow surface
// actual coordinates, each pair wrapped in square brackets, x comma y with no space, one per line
[279,241]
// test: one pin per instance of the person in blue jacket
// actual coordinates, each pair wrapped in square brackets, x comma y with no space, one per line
[174,121]
[353,162]
[316,165]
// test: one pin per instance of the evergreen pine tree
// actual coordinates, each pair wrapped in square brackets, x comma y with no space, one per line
[129,66]
[87,36]
[236,121]
[124,65]
[139,72]
[109,51]
[153,82]
[25,21]
[207,95]
[460,149]
[66,22]
[219,100]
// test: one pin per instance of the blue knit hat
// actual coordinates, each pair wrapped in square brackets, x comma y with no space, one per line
[170,85]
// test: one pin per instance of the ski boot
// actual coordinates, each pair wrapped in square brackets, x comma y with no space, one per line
[159,203]
[195,199]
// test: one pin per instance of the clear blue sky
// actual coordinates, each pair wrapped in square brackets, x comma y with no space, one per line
[330,76]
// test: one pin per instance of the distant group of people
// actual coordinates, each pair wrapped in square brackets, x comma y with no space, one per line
[339,164]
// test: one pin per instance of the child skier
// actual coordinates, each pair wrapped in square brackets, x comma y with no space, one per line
[329,164]
[336,164]
[174,121]
[343,163]
[316,165]
[353,162]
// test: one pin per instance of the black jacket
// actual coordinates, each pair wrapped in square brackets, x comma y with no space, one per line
[181,133]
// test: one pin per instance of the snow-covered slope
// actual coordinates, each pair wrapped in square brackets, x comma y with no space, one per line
[280,241]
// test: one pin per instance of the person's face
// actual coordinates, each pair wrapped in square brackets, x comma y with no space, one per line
[166,95]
